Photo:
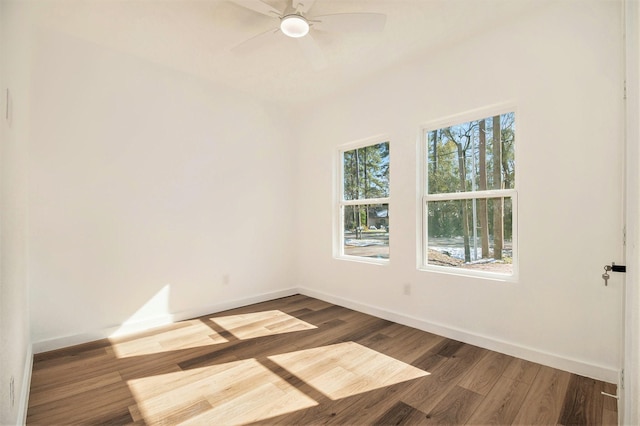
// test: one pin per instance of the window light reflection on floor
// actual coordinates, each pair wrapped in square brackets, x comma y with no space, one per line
[183,335]
[260,324]
[133,339]
[232,393]
[346,369]
[197,333]
[246,391]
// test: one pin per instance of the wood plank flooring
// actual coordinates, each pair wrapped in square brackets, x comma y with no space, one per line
[301,361]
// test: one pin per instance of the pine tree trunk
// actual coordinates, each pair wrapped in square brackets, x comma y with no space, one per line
[498,225]
[435,152]
[482,186]
[464,213]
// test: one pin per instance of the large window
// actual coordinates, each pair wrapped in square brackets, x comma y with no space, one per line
[363,201]
[469,206]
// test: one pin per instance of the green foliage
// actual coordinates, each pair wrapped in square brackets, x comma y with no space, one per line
[366,172]
[361,217]
[366,176]
[453,166]
[444,218]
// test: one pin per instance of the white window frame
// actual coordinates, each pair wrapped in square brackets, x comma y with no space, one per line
[425,197]
[341,203]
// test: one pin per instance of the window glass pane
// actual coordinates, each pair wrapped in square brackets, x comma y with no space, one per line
[471,234]
[366,230]
[473,156]
[366,172]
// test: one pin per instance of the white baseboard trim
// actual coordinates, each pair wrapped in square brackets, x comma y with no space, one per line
[23,405]
[576,366]
[121,330]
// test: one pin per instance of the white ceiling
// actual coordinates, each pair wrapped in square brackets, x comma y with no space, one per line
[195,36]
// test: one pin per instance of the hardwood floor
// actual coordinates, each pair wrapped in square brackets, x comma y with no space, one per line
[299,360]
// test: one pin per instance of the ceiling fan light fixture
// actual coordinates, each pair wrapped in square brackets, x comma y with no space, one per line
[294,26]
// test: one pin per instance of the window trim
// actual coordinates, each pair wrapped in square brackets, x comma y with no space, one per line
[424,197]
[340,202]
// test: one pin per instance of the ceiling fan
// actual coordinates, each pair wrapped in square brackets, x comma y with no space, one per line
[295,22]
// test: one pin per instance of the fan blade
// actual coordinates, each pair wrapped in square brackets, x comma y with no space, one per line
[258,6]
[302,5]
[350,22]
[256,42]
[312,52]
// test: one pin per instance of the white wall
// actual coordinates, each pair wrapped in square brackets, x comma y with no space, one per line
[562,67]
[141,178]
[15,347]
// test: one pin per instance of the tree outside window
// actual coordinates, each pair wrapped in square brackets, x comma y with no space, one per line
[364,201]
[469,202]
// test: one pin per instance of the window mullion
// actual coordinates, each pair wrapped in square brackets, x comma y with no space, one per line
[364,201]
[493,193]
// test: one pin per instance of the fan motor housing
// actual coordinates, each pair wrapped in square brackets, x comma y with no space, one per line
[294,25]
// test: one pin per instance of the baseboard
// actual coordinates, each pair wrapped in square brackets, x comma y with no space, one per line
[582,368]
[237,303]
[23,405]
[119,330]
[579,367]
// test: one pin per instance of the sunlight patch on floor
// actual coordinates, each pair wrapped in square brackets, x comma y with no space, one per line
[184,335]
[346,369]
[233,393]
[260,324]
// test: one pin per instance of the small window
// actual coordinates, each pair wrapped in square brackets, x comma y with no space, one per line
[363,201]
[469,202]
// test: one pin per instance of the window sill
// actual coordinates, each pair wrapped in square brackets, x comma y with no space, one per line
[469,273]
[358,259]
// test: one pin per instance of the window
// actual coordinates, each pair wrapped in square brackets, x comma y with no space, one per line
[469,205]
[363,201]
